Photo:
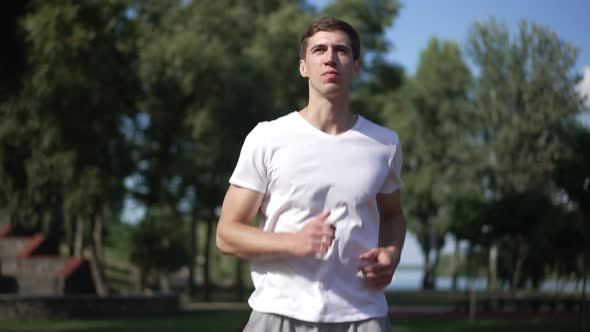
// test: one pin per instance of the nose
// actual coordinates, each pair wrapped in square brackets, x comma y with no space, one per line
[330,56]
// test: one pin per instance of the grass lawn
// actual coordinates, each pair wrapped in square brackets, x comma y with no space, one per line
[220,321]
[193,321]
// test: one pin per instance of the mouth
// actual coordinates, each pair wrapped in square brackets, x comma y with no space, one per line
[331,73]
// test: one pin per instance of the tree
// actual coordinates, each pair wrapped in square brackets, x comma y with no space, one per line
[573,176]
[464,213]
[521,224]
[524,92]
[211,71]
[70,108]
[13,58]
[524,95]
[197,102]
[158,247]
[432,115]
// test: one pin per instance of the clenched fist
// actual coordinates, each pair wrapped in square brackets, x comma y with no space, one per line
[315,237]
[379,266]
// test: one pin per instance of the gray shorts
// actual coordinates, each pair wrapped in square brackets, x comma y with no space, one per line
[265,322]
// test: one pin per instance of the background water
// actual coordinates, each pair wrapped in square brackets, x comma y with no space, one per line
[411,279]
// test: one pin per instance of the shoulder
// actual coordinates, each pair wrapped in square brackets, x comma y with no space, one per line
[379,133]
[280,123]
[273,127]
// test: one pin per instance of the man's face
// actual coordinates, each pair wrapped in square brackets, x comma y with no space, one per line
[329,63]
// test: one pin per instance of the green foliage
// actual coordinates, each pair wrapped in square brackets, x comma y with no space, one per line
[572,172]
[525,103]
[60,141]
[431,120]
[524,225]
[481,151]
[96,91]
[370,18]
[210,71]
[572,175]
[118,241]
[12,59]
[159,242]
[465,213]
[430,114]
[524,94]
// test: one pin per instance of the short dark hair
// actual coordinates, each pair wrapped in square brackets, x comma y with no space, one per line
[331,24]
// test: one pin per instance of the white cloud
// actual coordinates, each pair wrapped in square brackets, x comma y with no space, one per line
[584,91]
[584,86]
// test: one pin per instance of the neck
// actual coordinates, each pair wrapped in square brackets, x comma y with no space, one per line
[330,115]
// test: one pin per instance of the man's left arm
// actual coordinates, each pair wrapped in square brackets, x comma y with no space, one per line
[383,260]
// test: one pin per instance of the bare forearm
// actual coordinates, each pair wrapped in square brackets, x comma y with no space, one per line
[392,233]
[235,234]
[248,241]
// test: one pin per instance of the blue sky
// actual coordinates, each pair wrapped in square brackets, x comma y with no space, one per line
[419,20]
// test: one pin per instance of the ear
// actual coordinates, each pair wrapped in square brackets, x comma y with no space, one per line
[302,68]
[356,67]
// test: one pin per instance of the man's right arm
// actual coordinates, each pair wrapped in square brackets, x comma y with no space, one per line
[236,236]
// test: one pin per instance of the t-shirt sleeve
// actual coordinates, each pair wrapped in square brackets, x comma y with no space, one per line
[250,171]
[393,181]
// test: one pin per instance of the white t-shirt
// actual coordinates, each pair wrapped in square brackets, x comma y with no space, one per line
[302,172]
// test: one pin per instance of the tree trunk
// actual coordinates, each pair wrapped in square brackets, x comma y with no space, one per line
[518,278]
[493,267]
[79,236]
[470,269]
[239,282]
[69,234]
[97,236]
[206,266]
[435,267]
[164,281]
[585,307]
[428,269]
[194,251]
[455,265]
[97,273]
[12,219]
[427,272]
[142,279]
[96,264]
